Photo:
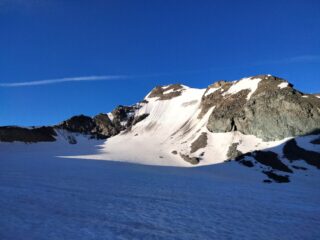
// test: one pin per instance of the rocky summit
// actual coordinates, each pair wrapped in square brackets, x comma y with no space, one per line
[261,122]
[270,109]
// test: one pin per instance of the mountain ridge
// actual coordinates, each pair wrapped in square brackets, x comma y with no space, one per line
[245,120]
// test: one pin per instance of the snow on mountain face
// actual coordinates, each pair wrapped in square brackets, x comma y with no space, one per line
[172,131]
[148,141]
[245,84]
[178,128]
[251,120]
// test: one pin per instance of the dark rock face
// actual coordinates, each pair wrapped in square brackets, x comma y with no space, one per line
[166,93]
[246,163]
[99,127]
[295,153]
[266,158]
[124,117]
[233,152]
[271,113]
[81,124]
[277,178]
[271,159]
[27,135]
[214,98]
[192,160]
[122,114]
[200,142]
[104,126]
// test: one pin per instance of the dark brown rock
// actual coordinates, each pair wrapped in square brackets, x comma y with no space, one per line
[27,135]
[295,153]
[271,113]
[233,152]
[277,178]
[80,124]
[160,92]
[200,142]
[104,126]
[192,160]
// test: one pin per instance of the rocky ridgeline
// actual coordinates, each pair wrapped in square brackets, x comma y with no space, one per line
[274,110]
[265,106]
[40,134]
[98,127]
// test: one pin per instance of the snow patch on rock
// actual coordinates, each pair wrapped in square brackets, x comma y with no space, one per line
[243,84]
[210,91]
[283,85]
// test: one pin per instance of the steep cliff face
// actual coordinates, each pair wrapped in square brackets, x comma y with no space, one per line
[265,106]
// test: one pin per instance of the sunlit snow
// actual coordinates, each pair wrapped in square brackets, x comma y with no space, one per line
[245,83]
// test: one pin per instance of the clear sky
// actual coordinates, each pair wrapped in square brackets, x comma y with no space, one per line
[94,55]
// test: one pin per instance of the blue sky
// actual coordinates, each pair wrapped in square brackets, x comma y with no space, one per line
[94,55]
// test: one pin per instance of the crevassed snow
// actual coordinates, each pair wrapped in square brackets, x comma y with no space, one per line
[283,85]
[245,83]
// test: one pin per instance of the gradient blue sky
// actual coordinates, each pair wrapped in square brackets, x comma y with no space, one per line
[134,45]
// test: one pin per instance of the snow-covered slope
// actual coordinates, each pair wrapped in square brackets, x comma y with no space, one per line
[253,121]
[47,197]
[169,132]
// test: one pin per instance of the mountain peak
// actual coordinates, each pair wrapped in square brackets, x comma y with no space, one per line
[178,126]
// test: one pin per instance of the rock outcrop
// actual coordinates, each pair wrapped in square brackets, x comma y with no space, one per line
[104,126]
[274,110]
[80,124]
[27,135]
[166,92]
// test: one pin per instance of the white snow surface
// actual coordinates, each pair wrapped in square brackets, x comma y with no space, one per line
[245,83]
[283,85]
[43,196]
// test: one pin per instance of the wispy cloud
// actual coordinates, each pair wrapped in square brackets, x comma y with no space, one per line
[63,80]
[296,59]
